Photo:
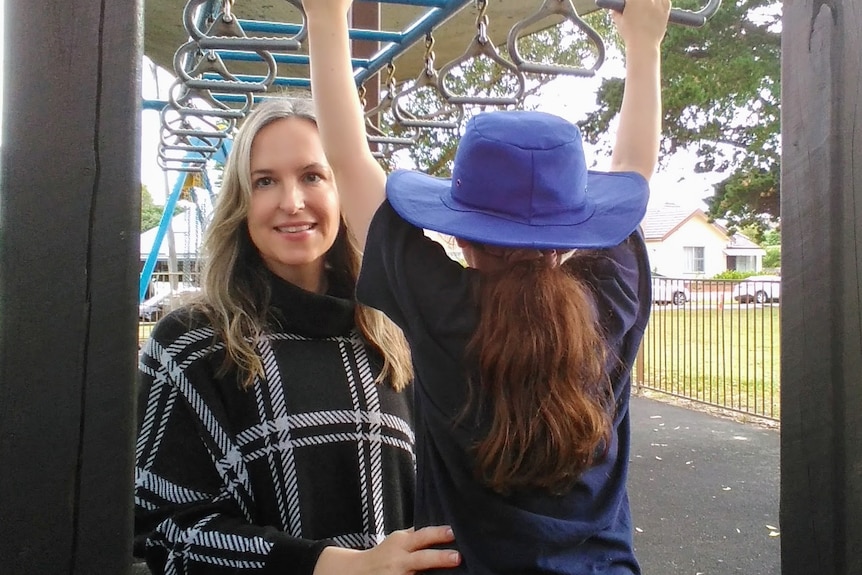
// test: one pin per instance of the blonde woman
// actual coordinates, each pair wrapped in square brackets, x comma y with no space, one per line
[523,359]
[275,412]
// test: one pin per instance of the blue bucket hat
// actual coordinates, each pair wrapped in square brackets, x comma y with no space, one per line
[520,180]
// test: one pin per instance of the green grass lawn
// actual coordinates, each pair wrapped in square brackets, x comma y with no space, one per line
[728,357]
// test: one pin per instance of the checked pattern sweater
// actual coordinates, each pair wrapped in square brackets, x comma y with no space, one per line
[229,480]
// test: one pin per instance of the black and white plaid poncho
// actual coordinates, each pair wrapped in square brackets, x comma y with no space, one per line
[261,480]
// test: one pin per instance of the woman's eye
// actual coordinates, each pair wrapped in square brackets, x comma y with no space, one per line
[262,182]
[313,178]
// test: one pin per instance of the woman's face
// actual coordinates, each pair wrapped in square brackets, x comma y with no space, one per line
[293,216]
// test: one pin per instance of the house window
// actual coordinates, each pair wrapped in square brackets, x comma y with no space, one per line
[746,263]
[694,260]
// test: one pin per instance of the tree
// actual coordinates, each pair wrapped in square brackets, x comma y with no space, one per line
[151,214]
[721,94]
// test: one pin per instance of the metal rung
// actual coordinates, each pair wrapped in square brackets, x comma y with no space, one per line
[424,3]
[258,80]
[246,43]
[261,27]
[289,59]
[228,86]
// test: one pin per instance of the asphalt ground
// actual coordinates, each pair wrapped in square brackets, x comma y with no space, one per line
[704,492]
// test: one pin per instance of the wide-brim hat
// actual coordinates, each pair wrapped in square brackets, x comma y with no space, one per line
[520,180]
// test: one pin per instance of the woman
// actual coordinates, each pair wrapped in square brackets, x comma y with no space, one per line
[275,412]
[523,359]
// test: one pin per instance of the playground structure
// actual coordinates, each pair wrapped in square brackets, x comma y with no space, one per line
[225,62]
[69,261]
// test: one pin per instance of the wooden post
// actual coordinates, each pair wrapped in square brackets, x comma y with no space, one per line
[821,331]
[69,225]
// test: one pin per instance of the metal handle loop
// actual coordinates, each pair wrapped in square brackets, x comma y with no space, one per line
[677,16]
[475,49]
[566,9]
[180,97]
[211,62]
[377,136]
[226,33]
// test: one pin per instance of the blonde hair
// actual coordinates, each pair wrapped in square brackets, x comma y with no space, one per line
[541,362]
[236,292]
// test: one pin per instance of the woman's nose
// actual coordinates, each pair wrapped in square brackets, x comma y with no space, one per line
[292,199]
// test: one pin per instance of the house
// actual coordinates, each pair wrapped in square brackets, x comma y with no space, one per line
[683,243]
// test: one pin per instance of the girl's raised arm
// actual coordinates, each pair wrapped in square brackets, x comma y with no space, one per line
[361,181]
[642,26]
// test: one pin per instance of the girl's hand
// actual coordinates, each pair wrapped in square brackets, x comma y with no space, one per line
[642,21]
[401,553]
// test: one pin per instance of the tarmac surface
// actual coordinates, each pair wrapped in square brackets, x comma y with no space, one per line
[704,491]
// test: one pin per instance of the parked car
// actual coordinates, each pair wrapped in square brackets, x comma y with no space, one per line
[666,290]
[758,289]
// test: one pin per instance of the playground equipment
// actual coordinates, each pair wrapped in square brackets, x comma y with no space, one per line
[210,95]
[69,272]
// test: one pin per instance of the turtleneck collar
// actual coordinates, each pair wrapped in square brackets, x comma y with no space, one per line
[306,313]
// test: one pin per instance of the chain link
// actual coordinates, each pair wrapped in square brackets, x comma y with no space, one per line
[228,10]
[429,54]
[482,21]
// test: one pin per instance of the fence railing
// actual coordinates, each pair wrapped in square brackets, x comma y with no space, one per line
[711,341]
[719,344]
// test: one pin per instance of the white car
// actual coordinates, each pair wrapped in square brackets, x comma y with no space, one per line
[758,289]
[666,290]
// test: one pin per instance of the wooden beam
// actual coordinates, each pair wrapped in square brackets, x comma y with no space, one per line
[69,226]
[821,344]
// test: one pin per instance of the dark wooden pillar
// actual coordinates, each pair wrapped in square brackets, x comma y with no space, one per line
[821,359]
[69,225]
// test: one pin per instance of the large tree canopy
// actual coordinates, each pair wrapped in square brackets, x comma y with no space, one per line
[721,96]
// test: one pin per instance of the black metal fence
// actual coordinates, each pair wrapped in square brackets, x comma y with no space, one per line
[711,341]
[716,344]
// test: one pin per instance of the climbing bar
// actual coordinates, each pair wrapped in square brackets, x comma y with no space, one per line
[288,28]
[288,59]
[423,3]
[677,16]
[550,8]
[254,80]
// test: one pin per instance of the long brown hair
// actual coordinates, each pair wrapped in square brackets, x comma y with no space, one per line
[236,292]
[542,375]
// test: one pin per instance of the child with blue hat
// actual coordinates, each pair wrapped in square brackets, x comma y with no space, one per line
[523,358]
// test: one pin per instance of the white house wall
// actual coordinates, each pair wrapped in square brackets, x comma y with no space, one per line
[668,257]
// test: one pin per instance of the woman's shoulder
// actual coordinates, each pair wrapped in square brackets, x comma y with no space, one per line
[182,324]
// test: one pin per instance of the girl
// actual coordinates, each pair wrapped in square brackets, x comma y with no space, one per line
[522,359]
